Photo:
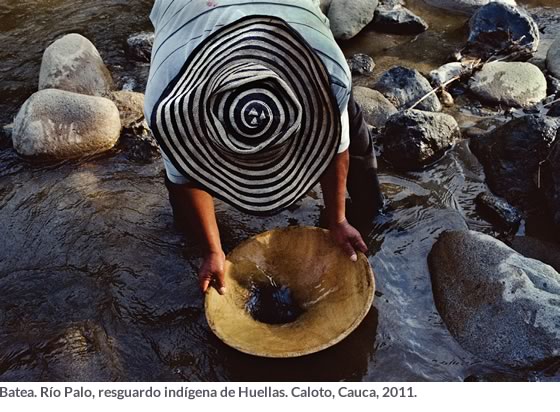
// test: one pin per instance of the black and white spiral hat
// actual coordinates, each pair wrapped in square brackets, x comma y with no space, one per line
[251,116]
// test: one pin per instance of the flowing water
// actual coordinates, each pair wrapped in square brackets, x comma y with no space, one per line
[96,284]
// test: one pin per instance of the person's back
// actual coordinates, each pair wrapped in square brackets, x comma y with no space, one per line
[182,25]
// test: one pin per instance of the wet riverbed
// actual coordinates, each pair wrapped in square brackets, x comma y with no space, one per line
[96,284]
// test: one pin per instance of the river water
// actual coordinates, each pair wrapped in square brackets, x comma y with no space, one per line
[96,284]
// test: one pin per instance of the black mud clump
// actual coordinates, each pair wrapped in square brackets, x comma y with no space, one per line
[272,304]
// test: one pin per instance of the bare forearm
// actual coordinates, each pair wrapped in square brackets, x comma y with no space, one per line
[197,208]
[333,184]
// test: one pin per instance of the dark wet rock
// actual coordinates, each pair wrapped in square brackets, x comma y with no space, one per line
[551,181]
[348,18]
[139,46]
[138,143]
[502,29]
[404,87]
[72,63]
[511,155]
[515,84]
[554,110]
[131,107]
[6,136]
[534,248]
[361,64]
[376,108]
[463,6]
[553,58]
[414,139]
[497,303]
[447,72]
[61,125]
[498,211]
[398,20]
[323,5]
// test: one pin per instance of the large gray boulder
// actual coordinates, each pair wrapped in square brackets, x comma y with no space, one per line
[510,83]
[464,6]
[61,125]
[72,63]
[349,17]
[414,139]
[553,58]
[404,87]
[376,108]
[497,303]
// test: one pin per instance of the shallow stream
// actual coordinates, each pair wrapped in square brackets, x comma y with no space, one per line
[96,284]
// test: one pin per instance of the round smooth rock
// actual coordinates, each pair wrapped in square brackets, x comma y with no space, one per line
[376,108]
[515,84]
[61,125]
[498,304]
[72,63]
[349,17]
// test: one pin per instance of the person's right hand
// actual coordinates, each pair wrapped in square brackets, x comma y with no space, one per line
[212,269]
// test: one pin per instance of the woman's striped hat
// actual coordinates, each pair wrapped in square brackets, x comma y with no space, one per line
[251,117]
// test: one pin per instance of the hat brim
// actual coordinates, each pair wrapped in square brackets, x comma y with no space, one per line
[335,292]
[280,174]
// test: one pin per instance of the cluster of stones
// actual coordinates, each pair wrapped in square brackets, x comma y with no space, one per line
[76,112]
[499,301]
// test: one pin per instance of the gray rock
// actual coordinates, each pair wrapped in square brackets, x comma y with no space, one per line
[361,64]
[139,46]
[60,125]
[349,17]
[511,155]
[497,303]
[499,29]
[404,87]
[72,63]
[553,58]
[376,108]
[131,107]
[551,181]
[463,6]
[533,248]
[498,211]
[510,83]
[414,139]
[447,72]
[398,20]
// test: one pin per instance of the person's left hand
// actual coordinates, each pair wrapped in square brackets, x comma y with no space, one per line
[348,238]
